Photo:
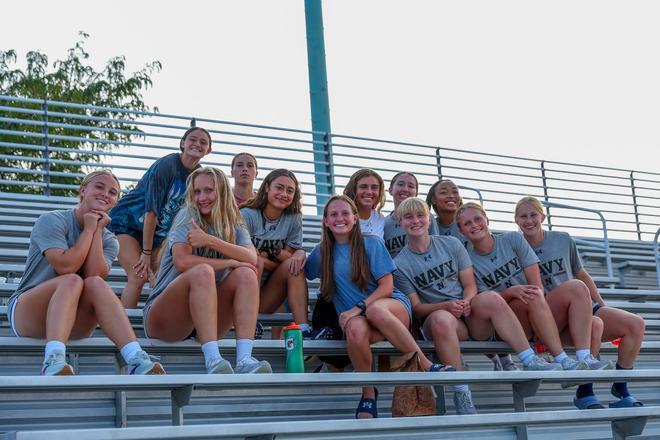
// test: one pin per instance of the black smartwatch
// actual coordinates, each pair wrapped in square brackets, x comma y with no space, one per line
[362,306]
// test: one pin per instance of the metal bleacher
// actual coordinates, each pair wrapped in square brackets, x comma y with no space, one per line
[98,403]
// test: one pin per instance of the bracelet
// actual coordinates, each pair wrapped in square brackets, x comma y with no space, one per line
[146,251]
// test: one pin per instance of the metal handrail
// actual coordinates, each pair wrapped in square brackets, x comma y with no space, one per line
[656,253]
[606,242]
[631,206]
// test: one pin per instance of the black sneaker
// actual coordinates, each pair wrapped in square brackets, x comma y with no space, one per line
[324,333]
[259,331]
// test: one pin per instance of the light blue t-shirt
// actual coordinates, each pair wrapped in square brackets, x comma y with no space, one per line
[395,236]
[348,293]
[503,266]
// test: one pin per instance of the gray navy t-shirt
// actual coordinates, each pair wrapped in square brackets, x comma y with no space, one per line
[271,236]
[395,236]
[503,266]
[451,229]
[559,260]
[56,230]
[179,234]
[433,274]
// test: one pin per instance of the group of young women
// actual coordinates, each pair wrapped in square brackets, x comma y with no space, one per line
[216,257]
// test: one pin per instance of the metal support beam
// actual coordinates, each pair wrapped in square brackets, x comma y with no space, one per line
[180,398]
[622,429]
[319,102]
[521,390]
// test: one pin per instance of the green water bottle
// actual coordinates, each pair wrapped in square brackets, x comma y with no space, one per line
[293,341]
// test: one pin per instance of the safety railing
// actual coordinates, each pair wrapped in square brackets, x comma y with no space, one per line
[43,144]
[656,254]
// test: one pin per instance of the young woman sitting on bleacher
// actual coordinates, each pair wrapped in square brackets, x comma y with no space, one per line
[244,171]
[506,264]
[445,199]
[62,294]
[143,217]
[207,280]
[367,190]
[402,186]
[561,266]
[356,275]
[274,221]
[436,274]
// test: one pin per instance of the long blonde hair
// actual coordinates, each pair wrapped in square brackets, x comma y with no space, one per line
[360,270]
[225,215]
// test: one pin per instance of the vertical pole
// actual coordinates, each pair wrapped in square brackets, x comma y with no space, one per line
[634,197]
[545,193]
[319,101]
[438,164]
[44,141]
[193,122]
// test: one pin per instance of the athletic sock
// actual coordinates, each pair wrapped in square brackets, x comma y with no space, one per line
[526,356]
[304,327]
[621,387]
[560,357]
[129,350]
[584,390]
[211,351]
[243,348]
[582,353]
[52,346]
[461,388]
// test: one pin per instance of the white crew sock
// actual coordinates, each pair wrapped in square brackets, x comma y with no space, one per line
[211,351]
[129,350]
[243,348]
[52,346]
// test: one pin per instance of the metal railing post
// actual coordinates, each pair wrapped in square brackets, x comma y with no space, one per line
[656,254]
[544,179]
[193,122]
[635,207]
[438,164]
[44,141]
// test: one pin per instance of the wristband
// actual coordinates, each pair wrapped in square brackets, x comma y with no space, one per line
[362,306]
[147,251]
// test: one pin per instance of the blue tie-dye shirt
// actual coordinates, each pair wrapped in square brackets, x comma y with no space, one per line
[161,190]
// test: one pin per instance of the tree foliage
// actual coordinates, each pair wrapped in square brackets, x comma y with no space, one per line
[69,151]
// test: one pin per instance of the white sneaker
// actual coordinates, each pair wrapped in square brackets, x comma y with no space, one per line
[597,364]
[56,365]
[463,403]
[540,364]
[249,365]
[508,364]
[573,364]
[219,366]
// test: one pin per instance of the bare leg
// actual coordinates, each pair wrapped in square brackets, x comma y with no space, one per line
[539,321]
[49,309]
[359,336]
[129,253]
[571,307]
[283,284]
[190,301]
[447,331]
[239,303]
[627,326]
[490,312]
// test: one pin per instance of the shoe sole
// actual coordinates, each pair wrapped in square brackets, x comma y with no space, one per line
[67,370]
[156,369]
[261,369]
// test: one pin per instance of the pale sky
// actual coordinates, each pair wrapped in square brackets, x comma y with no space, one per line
[575,81]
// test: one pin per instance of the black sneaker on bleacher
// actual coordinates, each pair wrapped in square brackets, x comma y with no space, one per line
[259,331]
[324,333]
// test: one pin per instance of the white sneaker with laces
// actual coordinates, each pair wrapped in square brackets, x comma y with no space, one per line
[508,364]
[573,364]
[463,403]
[55,365]
[540,364]
[219,366]
[597,364]
[249,365]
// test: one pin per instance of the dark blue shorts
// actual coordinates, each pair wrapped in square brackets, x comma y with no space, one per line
[118,225]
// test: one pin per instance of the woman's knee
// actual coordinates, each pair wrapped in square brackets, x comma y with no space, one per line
[576,288]
[96,284]
[489,301]
[636,325]
[356,330]
[201,273]
[244,275]
[71,281]
[442,323]
[597,327]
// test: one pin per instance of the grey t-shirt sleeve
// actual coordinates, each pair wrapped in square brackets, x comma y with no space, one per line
[574,255]
[295,237]
[242,236]
[522,249]
[462,257]
[249,215]
[402,282]
[50,232]
[110,247]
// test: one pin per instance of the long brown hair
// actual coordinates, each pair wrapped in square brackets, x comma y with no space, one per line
[350,189]
[260,201]
[360,270]
[224,214]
